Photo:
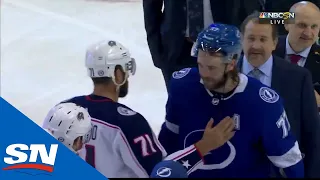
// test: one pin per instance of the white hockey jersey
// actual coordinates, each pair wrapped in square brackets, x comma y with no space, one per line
[123,145]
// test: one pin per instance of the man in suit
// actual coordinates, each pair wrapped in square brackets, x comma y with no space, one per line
[172,31]
[283,6]
[292,82]
[299,46]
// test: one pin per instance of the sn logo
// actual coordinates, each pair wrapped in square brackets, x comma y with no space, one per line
[19,159]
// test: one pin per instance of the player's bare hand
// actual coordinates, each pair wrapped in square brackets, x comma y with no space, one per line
[220,134]
[215,137]
[317,97]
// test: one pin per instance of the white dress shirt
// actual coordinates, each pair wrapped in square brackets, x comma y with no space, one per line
[304,54]
[265,68]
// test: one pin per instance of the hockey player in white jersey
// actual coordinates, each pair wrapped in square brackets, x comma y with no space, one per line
[123,145]
[70,124]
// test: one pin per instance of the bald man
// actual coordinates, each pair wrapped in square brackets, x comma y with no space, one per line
[282,6]
[299,47]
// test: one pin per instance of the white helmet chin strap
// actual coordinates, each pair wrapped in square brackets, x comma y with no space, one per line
[117,84]
[74,151]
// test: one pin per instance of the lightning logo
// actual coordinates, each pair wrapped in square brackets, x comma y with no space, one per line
[164,172]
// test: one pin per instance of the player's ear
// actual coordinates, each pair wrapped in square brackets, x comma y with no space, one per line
[287,26]
[275,42]
[232,65]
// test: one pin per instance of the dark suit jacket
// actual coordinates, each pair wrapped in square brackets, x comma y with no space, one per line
[283,6]
[312,62]
[294,85]
[166,30]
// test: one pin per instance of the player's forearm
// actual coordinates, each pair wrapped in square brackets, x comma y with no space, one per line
[188,157]
[192,154]
[168,140]
[295,171]
[289,163]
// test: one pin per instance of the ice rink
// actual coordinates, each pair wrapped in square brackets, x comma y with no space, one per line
[43,45]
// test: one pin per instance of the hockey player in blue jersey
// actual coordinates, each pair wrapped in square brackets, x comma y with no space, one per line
[216,90]
[122,143]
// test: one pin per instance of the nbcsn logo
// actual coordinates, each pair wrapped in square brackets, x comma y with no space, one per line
[21,156]
[277,17]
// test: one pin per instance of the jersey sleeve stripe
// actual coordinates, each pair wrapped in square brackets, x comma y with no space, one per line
[172,127]
[189,158]
[158,144]
[125,141]
[180,154]
[186,153]
[290,158]
[194,167]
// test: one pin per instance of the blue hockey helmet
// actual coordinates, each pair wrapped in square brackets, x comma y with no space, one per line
[221,38]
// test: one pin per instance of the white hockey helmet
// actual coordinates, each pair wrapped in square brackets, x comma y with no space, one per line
[104,56]
[67,121]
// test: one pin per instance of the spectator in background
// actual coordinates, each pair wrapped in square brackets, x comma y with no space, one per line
[283,6]
[172,31]
[292,82]
[299,46]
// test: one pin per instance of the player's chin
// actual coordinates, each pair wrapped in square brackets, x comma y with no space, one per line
[209,86]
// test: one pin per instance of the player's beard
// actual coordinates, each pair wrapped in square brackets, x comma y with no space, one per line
[123,90]
[216,85]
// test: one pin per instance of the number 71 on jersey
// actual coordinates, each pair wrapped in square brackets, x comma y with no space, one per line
[146,143]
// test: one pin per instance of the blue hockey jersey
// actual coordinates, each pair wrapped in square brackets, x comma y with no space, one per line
[262,139]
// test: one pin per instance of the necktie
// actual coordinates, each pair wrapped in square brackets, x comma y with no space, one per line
[255,73]
[295,58]
[195,18]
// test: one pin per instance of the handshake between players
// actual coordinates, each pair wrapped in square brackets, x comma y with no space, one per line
[121,142]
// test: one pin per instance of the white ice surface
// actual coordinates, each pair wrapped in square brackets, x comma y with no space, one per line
[43,45]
